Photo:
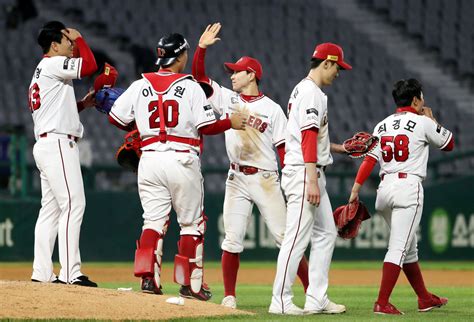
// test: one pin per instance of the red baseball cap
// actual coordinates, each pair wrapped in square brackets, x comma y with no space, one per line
[333,52]
[106,79]
[245,63]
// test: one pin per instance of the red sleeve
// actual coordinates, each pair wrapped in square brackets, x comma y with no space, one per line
[281,154]
[450,145]
[198,69]
[365,169]
[89,66]
[309,145]
[127,128]
[218,127]
[80,106]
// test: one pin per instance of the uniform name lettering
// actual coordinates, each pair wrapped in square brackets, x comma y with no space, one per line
[410,126]
[38,72]
[257,123]
[382,128]
[179,91]
[147,92]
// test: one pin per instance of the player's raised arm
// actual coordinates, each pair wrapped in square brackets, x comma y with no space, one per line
[89,65]
[208,38]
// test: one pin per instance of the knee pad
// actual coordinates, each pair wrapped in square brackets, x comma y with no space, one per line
[188,264]
[148,260]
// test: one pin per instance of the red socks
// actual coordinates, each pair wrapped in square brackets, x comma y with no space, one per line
[303,272]
[389,279]
[413,274]
[148,238]
[230,267]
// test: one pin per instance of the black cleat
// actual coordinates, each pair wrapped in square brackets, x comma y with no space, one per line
[82,280]
[149,286]
[203,295]
[58,281]
[36,281]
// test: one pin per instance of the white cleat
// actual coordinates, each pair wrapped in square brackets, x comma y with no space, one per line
[331,308]
[292,310]
[229,301]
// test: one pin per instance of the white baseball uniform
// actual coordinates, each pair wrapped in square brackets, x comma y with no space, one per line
[57,127]
[169,172]
[305,222]
[253,176]
[403,150]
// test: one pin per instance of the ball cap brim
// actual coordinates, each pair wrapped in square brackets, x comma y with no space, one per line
[332,52]
[246,63]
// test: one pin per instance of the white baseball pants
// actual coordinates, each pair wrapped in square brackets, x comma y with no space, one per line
[305,223]
[62,208]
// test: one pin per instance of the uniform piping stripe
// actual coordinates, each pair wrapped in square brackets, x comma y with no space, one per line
[411,226]
[309,126]
[280,142]
[293,245]
[115,117]
[68,212]
[447,141]
[205,123]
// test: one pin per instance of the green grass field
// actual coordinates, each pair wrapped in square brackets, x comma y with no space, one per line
[358,300]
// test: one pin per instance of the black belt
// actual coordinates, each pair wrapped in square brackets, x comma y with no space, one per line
[70,137]
[321,167]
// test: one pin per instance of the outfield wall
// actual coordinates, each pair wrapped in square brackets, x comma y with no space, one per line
[113,221]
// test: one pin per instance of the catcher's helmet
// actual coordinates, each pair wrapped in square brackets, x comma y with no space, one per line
[169,48]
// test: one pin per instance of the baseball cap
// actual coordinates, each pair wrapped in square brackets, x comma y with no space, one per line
[245,63]
[331,52]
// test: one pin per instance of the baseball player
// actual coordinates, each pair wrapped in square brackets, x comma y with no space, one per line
[171,112]
[309,217]
[57,129]
[404,139]
[253,175]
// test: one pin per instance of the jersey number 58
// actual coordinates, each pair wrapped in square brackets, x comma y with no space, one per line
[395,147]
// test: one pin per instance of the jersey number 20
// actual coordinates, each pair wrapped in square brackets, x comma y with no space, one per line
[395,147]
[170,113]
[34,100]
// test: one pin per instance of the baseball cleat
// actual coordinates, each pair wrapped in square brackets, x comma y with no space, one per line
[82,280]
[229,301]
[291,310]
[203,295]
[387,309]
[431,303]
[330,308]
[148,285]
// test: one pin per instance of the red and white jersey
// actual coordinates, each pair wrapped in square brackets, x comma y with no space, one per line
[404,139]
[265,127]
[307,108]
[51,96]
[185,110]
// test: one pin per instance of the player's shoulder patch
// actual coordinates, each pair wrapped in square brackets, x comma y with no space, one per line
[69,63]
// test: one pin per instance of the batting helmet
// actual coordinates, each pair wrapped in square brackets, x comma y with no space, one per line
[169,48]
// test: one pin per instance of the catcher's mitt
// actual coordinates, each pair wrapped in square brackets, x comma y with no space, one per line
[106,97]
[349,217]
[128,155]
[360,144]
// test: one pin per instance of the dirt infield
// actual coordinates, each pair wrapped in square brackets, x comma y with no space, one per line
[26,300]
[124,274]
[22,299]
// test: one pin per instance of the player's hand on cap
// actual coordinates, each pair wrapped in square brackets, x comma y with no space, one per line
[238,120]
[71,34]
[209,36]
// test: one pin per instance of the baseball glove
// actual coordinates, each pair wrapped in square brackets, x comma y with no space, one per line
[360,144]
[106,97]
[128,155]
[349,217]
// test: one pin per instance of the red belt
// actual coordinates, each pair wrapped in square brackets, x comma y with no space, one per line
[70,137]
[179,151]
[247,170]
[401,175]
[163,138]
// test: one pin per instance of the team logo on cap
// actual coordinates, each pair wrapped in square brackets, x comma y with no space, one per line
[161,52]
[107,71]
[332,57]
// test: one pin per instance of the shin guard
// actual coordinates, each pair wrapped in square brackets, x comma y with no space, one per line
[189,261]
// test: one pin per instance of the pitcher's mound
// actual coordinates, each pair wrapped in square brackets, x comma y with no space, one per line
[27,300]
